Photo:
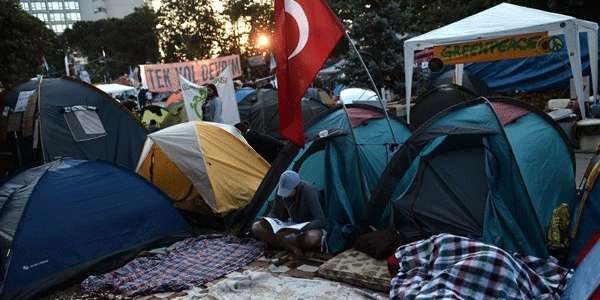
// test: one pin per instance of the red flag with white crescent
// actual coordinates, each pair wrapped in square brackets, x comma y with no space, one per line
[306,31]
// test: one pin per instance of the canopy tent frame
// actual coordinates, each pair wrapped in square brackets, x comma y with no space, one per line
[507,20]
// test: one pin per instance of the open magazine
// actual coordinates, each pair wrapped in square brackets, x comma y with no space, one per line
[277,225]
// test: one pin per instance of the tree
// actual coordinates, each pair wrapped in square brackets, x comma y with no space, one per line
[248,20]
[126,42]
[375,27]
[188,29]
[24,41]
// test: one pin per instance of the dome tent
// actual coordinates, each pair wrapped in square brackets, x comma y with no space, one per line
[67,218]
[205,168]
[343,158]
[76,120]
[507,154]
[264,113]
[436,100]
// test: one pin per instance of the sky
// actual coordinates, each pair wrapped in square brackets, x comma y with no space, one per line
[155,4]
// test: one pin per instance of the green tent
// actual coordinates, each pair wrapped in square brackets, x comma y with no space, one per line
[264,113]
[343,158]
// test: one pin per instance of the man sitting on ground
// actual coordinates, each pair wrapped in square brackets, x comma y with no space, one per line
[297,202]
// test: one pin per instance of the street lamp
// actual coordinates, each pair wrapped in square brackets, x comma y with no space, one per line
[263,41]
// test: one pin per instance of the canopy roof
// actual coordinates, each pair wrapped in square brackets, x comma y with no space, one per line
[506,20]
[115,88]
[500,20]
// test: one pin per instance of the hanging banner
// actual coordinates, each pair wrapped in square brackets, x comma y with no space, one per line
[224,83]
[161,78]
[517,46]
[194,97]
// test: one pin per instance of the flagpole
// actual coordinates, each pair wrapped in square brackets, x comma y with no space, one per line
[387,117]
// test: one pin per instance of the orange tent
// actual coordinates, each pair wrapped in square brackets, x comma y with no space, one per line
[174,98]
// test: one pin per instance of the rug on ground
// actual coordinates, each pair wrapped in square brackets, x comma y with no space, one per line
[448,266]
[263,285]
[357,268]
[191,262]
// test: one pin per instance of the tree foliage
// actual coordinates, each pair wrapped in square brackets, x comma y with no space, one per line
[24,40]
[248,20]
[126,42]
[188,29]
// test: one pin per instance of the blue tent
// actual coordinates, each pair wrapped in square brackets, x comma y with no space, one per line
[586,216]
[343,158]
[489,169]
[585,283]
[66,218]
[242,93]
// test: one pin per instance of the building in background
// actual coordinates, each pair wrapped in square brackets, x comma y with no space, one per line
[61,14]
[58,15]
[92,10]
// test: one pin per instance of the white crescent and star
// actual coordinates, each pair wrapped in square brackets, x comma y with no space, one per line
[295,10]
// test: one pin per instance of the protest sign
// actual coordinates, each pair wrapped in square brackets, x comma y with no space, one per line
[517,46]
[224,84]
[194,97]
[23,100]
[165,77]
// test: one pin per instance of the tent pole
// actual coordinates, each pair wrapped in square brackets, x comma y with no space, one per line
[358,161]
[387,117]
[39,115]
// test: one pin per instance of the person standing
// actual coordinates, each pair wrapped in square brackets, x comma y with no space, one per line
[213,108]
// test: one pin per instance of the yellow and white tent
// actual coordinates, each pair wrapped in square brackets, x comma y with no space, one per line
[204,167]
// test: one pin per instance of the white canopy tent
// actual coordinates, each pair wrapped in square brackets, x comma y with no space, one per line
[506,20]
[115,89]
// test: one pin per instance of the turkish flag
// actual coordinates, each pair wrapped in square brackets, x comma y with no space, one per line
[306,31]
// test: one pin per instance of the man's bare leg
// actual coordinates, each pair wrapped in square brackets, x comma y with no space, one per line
[311,240]
[262,232]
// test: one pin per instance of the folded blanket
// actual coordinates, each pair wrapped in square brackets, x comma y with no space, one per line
[448,266]
[357,268]
[188,263]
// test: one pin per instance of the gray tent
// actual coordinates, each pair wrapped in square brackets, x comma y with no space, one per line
[264,114]
[75,120]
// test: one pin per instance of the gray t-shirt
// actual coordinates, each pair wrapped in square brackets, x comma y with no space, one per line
[303,206]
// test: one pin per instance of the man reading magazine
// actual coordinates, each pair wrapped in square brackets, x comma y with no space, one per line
[296,221]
